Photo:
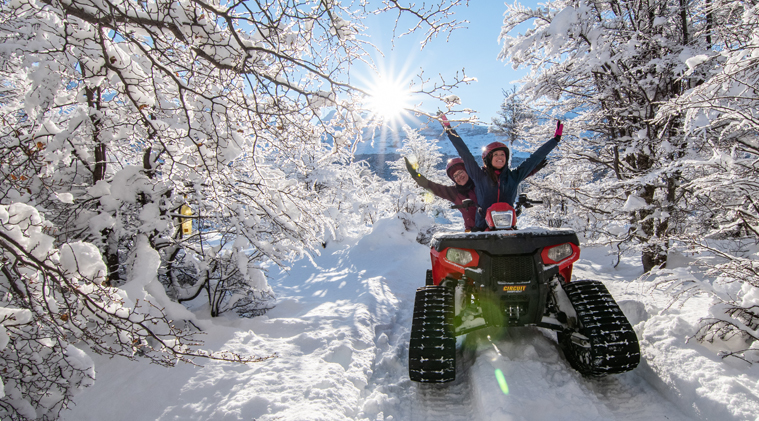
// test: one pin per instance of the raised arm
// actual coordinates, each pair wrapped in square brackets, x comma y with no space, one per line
[470,163]
[418,178]
[439,190]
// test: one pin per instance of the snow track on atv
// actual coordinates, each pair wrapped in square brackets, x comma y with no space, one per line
[432,345]
[611,345]
[434,359]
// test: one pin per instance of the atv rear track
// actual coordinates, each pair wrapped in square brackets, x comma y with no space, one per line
[432,346]
[606,343]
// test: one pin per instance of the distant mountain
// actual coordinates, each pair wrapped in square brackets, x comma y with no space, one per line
[378,163]
[381,146]
[389,138]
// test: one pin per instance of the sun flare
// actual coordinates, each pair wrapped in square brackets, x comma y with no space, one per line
[388,98]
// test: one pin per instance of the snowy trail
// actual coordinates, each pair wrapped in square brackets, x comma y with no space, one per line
[341,333]
[541,386]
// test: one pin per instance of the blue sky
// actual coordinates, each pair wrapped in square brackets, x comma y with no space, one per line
[474,48]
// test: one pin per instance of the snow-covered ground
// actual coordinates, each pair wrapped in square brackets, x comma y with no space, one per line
[341,328]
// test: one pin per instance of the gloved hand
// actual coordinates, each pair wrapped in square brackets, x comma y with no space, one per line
[410,167]
[443,120]
[418,178]
[559,129]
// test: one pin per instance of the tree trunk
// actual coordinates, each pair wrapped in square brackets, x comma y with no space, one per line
[653,256]
[112,257]
[654,229]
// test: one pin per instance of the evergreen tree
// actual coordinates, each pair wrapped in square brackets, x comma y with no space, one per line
[514,117]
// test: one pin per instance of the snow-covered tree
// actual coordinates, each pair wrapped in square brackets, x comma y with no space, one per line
[721,117]
[425,155]
[613,64]
[54,299]
[119,116]
[663,152]
[514,117]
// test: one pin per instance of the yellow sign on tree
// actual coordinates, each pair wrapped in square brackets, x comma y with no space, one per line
[186,222]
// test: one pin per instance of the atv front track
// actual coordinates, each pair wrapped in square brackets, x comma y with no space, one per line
[432,346]
[607,343]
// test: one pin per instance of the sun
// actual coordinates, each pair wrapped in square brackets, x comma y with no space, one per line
[388,98]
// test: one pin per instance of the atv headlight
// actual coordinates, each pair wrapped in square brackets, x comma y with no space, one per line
[458,256]
[560,253]
[502,220]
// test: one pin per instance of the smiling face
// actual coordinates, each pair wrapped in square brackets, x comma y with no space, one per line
[460,177]
[498,160]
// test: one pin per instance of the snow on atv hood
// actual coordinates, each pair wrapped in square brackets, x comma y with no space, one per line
[503,233]
[504,241]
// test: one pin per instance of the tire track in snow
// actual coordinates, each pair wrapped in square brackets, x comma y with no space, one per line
[391,395]
[446,401]
[543,386]
[630,397]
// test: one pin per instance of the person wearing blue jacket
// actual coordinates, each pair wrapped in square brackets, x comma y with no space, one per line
[495,181]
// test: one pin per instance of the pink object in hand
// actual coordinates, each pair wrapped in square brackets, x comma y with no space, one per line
[559,128]
[444,120]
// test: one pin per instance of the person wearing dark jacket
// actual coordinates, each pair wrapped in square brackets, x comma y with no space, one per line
[458,193]
[495,181]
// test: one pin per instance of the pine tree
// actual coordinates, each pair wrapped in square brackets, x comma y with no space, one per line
[514,117]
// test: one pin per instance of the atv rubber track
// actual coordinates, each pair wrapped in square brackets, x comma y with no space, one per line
[432,346]
[614,346]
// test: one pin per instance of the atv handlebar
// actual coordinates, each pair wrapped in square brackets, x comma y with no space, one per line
[523,202]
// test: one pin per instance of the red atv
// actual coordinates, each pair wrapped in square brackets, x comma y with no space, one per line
[506,277]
